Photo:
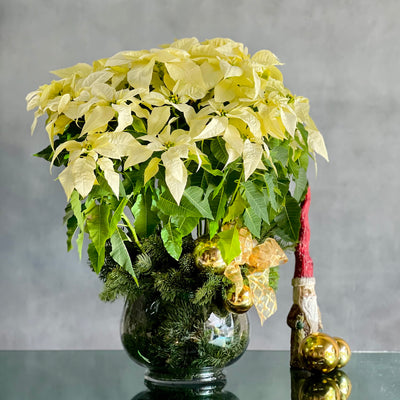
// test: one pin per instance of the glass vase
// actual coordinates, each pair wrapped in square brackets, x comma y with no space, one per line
[183,344]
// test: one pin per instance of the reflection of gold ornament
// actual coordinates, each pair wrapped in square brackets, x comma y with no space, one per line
[319,388]
[343,382]
[208,255]
[239,304]
[319,352]
[344,352]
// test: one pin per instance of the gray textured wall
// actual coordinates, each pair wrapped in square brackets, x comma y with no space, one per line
[342,55]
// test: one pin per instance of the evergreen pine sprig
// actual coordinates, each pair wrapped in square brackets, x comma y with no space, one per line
[206,293]
[170,284]
[143,264]
[119,283]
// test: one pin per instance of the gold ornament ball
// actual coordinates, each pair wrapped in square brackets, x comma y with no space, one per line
[319,388]
[344,352]
[319,352]
[208,255]
[242,303]
[343,382]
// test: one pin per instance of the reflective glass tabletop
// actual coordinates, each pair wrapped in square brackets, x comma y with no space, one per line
[112,375]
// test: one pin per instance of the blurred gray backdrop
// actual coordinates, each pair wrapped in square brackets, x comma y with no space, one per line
[343,55]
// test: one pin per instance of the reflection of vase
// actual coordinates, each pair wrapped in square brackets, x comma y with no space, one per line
[186,394]
[182,344]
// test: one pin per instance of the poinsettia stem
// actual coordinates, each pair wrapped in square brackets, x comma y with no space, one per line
[236,189]
[132,229]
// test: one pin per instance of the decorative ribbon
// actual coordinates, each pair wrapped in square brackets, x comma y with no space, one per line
[260,258]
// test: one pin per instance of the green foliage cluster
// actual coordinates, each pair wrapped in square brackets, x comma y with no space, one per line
[161,274]
[169,308]
[169,279]
[213,197]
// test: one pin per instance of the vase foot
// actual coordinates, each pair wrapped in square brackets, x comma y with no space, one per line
[204,382]
[182,395]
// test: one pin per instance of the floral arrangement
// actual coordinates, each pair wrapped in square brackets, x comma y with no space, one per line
[190,139]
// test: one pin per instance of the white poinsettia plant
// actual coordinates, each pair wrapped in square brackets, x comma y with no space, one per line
[192,135]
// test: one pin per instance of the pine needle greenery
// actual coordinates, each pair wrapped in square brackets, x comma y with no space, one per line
[169,309]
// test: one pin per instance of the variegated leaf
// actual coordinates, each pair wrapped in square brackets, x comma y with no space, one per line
[152,169]
[124,116]
[111,176]
[97,118]
[139,76]
[175,175]
[252,153]
[157,120]
[84,177]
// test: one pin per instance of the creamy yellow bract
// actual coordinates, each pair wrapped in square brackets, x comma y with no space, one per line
[218,87]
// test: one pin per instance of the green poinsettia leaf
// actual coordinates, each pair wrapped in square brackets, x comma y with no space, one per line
[218,207]
[271,185]
[79,242]
[68,213]
[93,256]
[304,160]
[101,190]
[301,184]
[145,218]
[252,221]
[229,244]
[138,125]
[172,239]
[293,165]
[76,206]
[280,154]
[47,154]
[195,195]
[257,199]
[97,224]
[184,225]
[303,131]
[167,204]
[119,252]
[218,149]
[235,209]
[205,164]
[133,181]
[72,226]
[288,221]
[116,218]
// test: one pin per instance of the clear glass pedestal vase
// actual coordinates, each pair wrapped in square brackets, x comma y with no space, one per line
[183,345]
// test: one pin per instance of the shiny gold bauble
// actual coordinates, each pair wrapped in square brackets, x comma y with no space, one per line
[242,303]
[319,352]
[344,352]
[319,388]
[208,256]
[343,382]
